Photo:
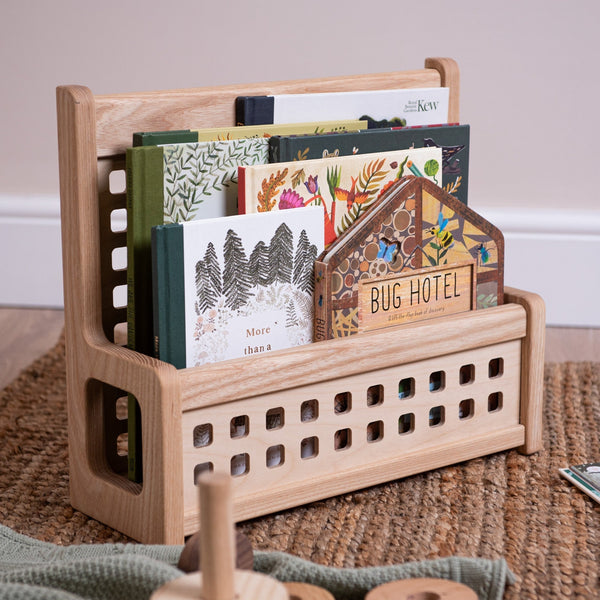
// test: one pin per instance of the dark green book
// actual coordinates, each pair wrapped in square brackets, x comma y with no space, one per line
[168,293]
[453,139]
[154,138]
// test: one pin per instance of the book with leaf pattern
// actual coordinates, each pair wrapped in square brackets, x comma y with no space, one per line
[345,186]
[171,184]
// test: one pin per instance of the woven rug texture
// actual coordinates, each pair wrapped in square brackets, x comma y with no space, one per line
[504,505]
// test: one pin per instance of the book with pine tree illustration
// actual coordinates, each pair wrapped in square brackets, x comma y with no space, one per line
[414,227]
[345,186]
[452,139]
[236,286]
[168,184]
[210,134]
[416,106]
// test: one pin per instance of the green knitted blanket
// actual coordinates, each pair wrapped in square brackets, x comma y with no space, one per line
[34,570]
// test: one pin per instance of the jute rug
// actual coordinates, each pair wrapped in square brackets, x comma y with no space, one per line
[505,505]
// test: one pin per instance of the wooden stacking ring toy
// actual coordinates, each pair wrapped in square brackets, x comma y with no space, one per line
[219,579]
[422,589]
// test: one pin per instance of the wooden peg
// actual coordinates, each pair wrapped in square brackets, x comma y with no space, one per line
[307,591]
[219,580]
[422,589]
[190,555]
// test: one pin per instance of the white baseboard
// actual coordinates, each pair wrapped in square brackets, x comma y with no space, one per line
[550,252]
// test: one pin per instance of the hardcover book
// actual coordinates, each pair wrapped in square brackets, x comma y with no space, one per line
[452,139]
[165,184]
[154,138]
[345,186]
[416,106]
[236,286]
[417,230]
[586,477]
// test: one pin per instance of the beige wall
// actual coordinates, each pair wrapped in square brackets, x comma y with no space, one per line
[530,83]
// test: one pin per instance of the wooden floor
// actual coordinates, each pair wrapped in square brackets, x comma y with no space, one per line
[26,334]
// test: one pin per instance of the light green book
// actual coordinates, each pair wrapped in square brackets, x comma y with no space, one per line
[172,184]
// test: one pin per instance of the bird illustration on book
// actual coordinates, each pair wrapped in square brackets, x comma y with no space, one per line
[351,196]
[450,163]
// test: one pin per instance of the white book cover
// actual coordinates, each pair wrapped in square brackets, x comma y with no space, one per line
[418,106]
[248,283]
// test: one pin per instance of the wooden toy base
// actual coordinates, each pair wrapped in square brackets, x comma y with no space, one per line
[291,426]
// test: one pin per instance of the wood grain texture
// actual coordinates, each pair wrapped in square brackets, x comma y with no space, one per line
[532,371]
[367,352]
[422,589]
[120,115]
[306,591]
[248,586]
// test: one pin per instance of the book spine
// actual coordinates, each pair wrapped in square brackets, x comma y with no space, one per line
[144,208]
[241,190]
[153,138]
[322,303]
[169,294]
[274,148]
[254,110]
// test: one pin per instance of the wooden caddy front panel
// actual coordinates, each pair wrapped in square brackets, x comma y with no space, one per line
[93,133]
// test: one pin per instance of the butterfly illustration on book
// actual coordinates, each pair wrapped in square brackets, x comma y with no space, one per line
[387,250]
[351,196]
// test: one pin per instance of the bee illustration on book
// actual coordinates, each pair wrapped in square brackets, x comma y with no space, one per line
[334,154]
[445,238]
[351,196]
[387,250]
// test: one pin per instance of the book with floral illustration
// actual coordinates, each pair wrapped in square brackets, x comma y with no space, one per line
[453,139]
[236,286]
[410,106]
[345,186]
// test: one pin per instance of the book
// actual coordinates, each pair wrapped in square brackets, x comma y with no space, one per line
[155,138]
[313,127]
[586,477]
[453,139]
[345,186]
[416,106]
[415,232]
[171,183]
[236,286]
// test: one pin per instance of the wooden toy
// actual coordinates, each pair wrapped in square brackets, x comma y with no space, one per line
[422,589]
[218,579]
[291,426]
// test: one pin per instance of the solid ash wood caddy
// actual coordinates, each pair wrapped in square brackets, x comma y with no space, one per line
[311,421]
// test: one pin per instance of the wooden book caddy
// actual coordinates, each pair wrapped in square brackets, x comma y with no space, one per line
[340,417]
